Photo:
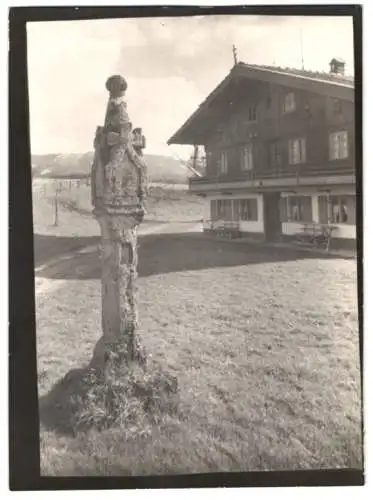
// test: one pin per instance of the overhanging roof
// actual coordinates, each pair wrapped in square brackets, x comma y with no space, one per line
[340,87]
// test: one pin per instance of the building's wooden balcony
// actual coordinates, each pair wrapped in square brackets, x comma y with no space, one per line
[292,176]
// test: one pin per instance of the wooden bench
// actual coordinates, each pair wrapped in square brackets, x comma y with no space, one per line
[224,229]
[316,235]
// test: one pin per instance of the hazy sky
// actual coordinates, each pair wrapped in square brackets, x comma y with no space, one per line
[171,64]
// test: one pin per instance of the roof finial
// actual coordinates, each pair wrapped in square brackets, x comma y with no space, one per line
[235,54]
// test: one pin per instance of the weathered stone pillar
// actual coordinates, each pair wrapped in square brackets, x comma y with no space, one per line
[118,191]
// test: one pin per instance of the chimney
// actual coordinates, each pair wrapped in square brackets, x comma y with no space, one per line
[337,66]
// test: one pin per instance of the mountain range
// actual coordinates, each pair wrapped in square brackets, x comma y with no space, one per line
[162,169]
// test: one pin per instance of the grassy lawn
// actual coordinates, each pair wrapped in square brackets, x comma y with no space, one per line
[264,343]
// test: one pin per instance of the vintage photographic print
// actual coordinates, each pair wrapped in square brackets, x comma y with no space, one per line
[195,221]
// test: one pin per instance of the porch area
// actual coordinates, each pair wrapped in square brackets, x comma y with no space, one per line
[307,218]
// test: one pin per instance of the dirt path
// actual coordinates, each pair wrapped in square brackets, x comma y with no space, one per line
[45,286]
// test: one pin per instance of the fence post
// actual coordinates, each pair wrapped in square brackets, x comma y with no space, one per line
[56,222]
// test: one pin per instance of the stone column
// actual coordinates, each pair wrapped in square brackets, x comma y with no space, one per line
[118,195]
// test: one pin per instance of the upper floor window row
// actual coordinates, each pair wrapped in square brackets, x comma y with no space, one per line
[338,150]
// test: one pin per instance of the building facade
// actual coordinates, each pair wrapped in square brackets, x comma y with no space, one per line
[279,147]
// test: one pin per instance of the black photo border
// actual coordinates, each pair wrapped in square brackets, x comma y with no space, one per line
[24,453]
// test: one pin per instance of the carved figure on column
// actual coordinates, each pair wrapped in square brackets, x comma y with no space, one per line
[119,172]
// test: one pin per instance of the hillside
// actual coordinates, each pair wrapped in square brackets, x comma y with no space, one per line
[163,169]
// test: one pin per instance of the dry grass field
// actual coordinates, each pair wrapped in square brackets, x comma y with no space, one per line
[264,343]
[165,203]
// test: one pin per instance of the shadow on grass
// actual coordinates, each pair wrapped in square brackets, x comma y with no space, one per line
[168,253]
[121,395]
[59,409]
[49,247]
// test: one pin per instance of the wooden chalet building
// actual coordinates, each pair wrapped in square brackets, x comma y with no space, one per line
[279,147]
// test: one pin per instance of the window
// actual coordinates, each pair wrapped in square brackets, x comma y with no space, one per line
[289,102]
[214,210]
[297,209]
[247,158]
[252,114]
[343,209]
[337,106]
[224,210]
[338,145]
[248,209]
[223,163]
[245,210]
[297,151]
[275,154]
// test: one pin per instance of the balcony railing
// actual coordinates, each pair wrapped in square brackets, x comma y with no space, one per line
[297,172]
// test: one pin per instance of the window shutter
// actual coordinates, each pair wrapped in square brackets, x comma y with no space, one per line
[291,159]
[295,151]
[303,151]
[344,145]
[250,157]
[254,209]
[244,159]
[331,148]
[218,166]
